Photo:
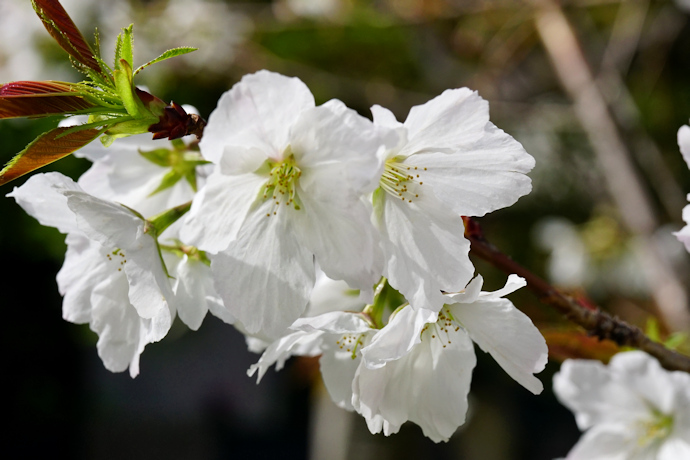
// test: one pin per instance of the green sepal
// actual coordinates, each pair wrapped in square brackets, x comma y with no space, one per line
[160,222]
[171,53]
[171,178]
[160,157]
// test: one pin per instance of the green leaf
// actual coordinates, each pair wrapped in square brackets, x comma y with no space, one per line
[167,55]
[124,88]
[127,49]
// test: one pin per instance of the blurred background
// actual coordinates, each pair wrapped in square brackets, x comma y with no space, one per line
[594,89]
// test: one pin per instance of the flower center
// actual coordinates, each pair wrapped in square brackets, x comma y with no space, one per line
[401,180]
[444,329]
[350,343]
[281,185]
[657,428]
[117,258]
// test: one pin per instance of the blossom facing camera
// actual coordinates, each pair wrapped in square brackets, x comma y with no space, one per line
[451,161]
[630,409]
[287,191]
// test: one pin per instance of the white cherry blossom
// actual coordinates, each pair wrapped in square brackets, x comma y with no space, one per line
[287,191]
[451,162]
[113,277]
[631,409]
[419,366]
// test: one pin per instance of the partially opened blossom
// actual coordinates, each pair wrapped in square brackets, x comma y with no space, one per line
[631,408]
[419,366]
[287,191]
[113,277]
[451,162]
[684,144]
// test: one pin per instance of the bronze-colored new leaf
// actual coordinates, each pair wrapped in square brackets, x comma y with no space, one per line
[65,32]
[47,148]
[38,98]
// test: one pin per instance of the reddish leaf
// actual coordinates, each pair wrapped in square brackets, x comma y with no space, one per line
[566,343]
[45,150]
[65,32]
[37,98]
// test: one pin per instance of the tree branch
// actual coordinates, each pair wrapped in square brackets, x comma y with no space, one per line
[584,313]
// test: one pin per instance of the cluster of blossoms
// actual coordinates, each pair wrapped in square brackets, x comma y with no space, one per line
[315,231]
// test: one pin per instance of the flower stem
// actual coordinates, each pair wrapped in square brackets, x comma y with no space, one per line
[580,311]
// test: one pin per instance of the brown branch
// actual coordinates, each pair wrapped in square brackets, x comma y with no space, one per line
[582,312]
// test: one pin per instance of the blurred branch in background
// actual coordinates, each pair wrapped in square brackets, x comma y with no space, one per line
[624,184]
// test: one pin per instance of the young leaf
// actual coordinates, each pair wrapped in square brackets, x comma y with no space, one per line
[65,32]
[167,55]
[38,98]
[47,148]
[127,50]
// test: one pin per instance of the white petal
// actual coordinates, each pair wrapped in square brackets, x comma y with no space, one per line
[219,210]
[398,337]
[343,240]
[193,284]
[646,378]
[335,322]
[308,343]
[338,370]
[428,386]
[42,197]
[455,118]
[513,283]
[257,112]
[123,334]
[241,160]
[684,234]
[332,295]
[84,268]
[486,175]
[587,388]
[114,226]
[602,444]
[508,335]
[384,117]
[265,276]
[336,149]
[684,143]
[674,449]
[424,247]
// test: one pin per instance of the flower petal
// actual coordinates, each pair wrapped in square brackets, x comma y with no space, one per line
[508,335]
[265,276]
[586,387]
[684,143]
[481,177]
[257,112]
[336,149]
[338,369]
[343,240]
[298,343]
[428,386]
[398,337]
[456,117]
[42,197]
[84,268]
[219,210]
[424,248]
